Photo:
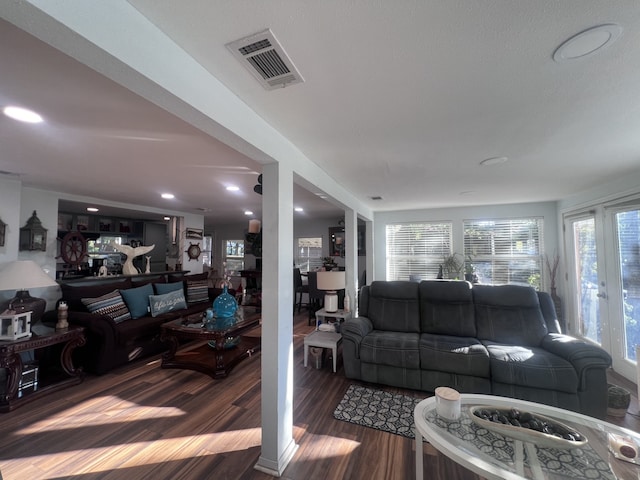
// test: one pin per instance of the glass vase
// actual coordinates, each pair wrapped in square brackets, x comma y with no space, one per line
[225,307]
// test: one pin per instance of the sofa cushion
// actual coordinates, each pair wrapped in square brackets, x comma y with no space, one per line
[394,306]
[167,302]
[197,291]
[110,305]
[459,355]
[162,288]
[531,367]
[141,328]
[446,307]
[137,300]
[395,349]
[509,314]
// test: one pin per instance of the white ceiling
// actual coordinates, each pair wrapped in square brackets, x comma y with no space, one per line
[401,100]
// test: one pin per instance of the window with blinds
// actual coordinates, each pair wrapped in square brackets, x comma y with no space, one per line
[234,256]
[309,253]
[505,250]
[416,250]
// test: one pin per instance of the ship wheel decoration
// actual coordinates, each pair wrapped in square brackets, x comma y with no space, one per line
[73,248]
[193,251]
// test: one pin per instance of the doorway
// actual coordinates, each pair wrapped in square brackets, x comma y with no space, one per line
[603,253]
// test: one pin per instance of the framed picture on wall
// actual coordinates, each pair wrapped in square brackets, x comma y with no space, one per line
[337,239]
[3,229]
[197,233]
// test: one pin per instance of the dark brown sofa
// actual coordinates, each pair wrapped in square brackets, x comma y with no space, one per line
[111,343]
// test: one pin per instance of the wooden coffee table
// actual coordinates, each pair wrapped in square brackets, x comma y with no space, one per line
[497,456]
[219,351]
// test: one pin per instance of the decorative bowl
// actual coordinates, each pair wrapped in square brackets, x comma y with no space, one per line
[558,435]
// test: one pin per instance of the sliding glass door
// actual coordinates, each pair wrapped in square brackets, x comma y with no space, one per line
[604,303]
[586,278]
[625,306]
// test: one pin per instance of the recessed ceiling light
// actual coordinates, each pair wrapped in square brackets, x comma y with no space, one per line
[587,42]
[248,212]
[493,161]
[167,218]
[168,196]
[299,209]
[92,209]
[233,188]
[22,114]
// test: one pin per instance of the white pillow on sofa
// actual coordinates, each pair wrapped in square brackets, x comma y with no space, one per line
[167,302]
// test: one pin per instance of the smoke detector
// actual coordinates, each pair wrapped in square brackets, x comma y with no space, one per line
[264,57]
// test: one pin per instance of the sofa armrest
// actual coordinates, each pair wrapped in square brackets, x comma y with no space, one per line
[355,329]
[581,354]
[358,327]
[99,325]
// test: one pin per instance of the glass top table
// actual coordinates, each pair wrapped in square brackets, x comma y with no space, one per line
[220,349]
[497,456]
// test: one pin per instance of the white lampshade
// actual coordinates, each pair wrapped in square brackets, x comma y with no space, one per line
[21,275]
[254,226]
[331,282]
[24,274]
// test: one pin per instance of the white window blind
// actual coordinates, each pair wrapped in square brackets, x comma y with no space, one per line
[309,253]
[505,250]
[416,250]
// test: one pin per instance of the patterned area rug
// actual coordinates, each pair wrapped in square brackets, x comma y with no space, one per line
[369,407]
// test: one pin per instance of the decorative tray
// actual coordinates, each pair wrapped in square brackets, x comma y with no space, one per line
[534,428]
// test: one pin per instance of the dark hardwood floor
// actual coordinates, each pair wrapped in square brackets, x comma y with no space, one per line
[143,422]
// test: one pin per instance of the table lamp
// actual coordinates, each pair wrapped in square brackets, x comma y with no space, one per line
[331,282]
[21,275]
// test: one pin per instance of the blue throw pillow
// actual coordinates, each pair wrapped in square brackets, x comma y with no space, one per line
[168,302]
[137,299]
[162,288]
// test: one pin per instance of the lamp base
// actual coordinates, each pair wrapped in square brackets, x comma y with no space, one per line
[23,302]
[331,302]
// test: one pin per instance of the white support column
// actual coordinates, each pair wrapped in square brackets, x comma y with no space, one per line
[369,265]
[351,254]
[278,446]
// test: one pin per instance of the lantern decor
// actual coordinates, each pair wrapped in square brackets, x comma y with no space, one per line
[33,236]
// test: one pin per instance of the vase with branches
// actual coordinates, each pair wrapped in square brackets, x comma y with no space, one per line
[552,268]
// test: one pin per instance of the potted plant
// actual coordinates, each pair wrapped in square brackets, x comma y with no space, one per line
[452,266]
[329,263]
[470,271]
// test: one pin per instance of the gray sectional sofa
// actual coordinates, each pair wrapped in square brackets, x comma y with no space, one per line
[502,340]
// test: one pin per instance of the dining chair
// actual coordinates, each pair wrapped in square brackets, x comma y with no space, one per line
[299,288]
[316,297]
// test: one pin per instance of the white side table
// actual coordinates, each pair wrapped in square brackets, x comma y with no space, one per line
[323,340]
[322,313]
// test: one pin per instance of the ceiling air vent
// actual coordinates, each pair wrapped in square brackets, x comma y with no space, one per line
[265,58]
